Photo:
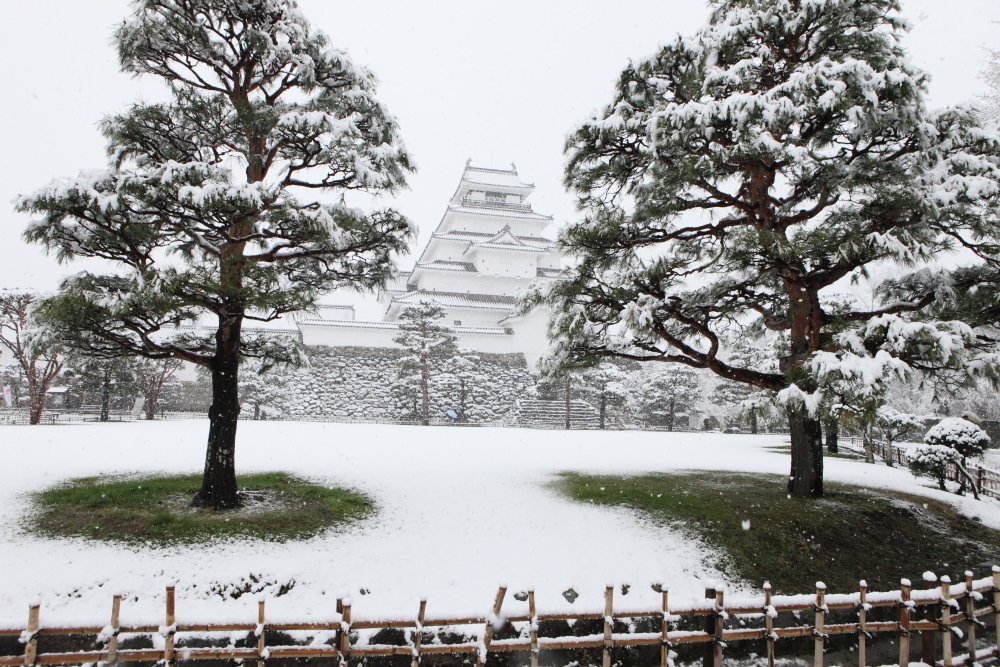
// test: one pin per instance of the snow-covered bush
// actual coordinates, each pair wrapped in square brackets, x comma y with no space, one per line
[950,442]
[961,435]
[932,461]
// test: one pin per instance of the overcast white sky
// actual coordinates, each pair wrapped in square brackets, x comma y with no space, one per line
[494,81]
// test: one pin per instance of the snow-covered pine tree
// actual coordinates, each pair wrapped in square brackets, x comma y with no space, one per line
[745,401]
[662,393]
[209,203]
[37,354]
[432,347]
[106,383]
[605,386]
[738,175]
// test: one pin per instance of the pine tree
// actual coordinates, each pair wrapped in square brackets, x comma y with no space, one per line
[605,386]
[432,348]
[107,383]
[746,401]
[209,204]
[739,175]
[665,392]
[37,354]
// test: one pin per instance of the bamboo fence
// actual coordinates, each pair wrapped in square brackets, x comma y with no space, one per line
[937,615]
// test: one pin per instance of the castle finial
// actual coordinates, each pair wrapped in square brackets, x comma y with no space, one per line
[513,166]
[468,162]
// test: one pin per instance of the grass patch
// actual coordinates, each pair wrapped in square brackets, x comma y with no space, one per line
[850,534]
[277,506]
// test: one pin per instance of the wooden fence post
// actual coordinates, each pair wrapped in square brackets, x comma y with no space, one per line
[769,623]
[261,645]
[928,638]
[708,659]
[970,614]
[533,612]
[946,621]
[820,641]
[904,622]
[169,629]
[609,594]
[418,633]
[345,632]
[488,635]
[996,606]
[979,479]
[30,636]
[718,634]
[116,604]
[862,620]
[665,628]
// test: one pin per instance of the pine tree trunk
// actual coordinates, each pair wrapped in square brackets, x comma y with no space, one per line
[890,454]
[425,409]
[832,436]
[806,477]
[753,422]
[36,401]
[671,416]
[567,406]
[604,410]
[218,486]
[866,441]
[106,394]
[152,396]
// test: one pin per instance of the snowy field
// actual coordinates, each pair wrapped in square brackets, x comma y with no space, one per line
[460,511]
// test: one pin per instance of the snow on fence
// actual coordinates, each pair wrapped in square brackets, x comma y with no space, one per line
[939,612]
[65,416]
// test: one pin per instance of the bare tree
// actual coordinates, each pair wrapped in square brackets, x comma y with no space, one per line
[39,358]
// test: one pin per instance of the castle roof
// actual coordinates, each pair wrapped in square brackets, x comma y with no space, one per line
[457,299]
[446,265]
[505,240]
[466,236]
[491,180]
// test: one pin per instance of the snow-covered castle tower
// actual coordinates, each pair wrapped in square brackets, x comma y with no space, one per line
[487,247]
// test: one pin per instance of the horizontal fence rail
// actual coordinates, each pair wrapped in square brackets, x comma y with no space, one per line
[941,616]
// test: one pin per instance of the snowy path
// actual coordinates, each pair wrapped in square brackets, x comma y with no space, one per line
[460,511]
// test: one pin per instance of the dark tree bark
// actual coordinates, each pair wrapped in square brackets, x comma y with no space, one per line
[672,415]
[832,436]
[425,380]
[568,406]
[806,477]
[604,409]
[753,422]
[218,487]
[106,392]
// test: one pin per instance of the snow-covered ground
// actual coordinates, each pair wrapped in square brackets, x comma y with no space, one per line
[460,511]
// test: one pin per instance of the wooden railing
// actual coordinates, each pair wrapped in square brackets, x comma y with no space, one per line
[936,613]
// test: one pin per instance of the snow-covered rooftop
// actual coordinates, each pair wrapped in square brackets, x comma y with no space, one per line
[446,265]
[499,212]
[506,178]
[457,299]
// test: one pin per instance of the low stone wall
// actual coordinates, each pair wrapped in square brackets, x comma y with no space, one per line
[363,383]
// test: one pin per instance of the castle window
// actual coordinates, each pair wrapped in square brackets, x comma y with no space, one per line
[458,323]
[496,197]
